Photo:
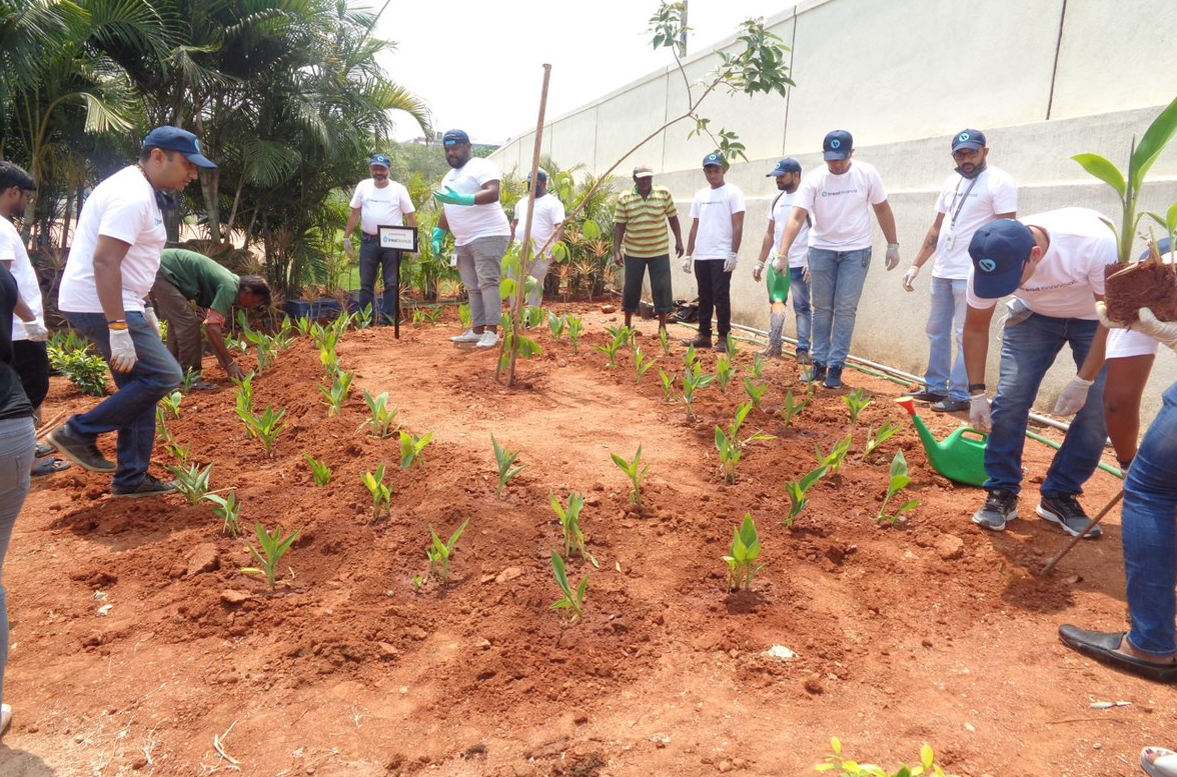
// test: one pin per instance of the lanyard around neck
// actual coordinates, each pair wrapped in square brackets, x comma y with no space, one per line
[963,200]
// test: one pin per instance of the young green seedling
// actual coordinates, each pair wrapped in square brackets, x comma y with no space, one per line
[792,408]
[755,391]
[731,447]
[170,405]
[873,441]
[191,378]
[381,494]
[575,330]
[327,355]
[570,526]
[741,562]
[857,401]
[337,392]
[610,349]
[664,341]
[265,348]
[667,385]
[179,454]
[622,335]
[465,318]
[228,511]
[267,427]
[838,766]
[757,367]
[733,348]
[533,317]
[693,380]
[319,471]
[797,490]
[833,462]
[440,553]
[412,448]
[636,472]
[557,325]
[724,372]
[506,461]
[244,394]
[571,600]
[899,481]
[366,315]
[192,481]
[383,420]
[641,363]
[303,326]
[691,358]
[273,548]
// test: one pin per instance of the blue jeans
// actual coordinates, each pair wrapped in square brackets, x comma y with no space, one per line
[836,278]
[945,327]
[1150,535]
[130,411]
[1027,351]
[17,441]
[800,291]
[388,260]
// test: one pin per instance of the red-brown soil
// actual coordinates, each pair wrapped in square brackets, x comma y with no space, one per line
[1151,285]
[933,631]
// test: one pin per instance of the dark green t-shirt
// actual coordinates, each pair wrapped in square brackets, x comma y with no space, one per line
[200,279]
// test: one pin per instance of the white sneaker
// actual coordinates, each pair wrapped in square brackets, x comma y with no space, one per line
[470,336]
[487,340]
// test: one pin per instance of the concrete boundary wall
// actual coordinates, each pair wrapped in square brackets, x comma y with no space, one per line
[1045,79]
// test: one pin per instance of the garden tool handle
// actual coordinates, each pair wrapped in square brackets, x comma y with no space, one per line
[1046,570]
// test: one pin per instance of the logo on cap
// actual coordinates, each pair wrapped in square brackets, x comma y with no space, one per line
[988,265]
[196,142]
[835,143]
[713,157]
[963,137]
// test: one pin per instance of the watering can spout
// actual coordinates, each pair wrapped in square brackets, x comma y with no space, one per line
[960,457]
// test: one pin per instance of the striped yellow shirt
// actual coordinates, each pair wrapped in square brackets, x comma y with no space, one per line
[646,232]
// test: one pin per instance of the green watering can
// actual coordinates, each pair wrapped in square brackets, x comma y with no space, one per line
[961,457]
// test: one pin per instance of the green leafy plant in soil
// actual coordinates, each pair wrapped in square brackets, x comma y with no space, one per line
[337,393]
[797,490]
[189,381]
[506,463]
[244,394]
[170,404]
[303,326]
[839,766]
[664,341]
[610,349]
[874,441]
[724,372]
[570,525]
[791,409]
[85,370]
[381,493]
[899,481]
[266,349]
[227,509]
[319,471]
[668,391]
[441,553]
[412,449]
[833,462]
[267,427]
[641,363]
[557,325]
[465,318]
[757,367]
[857,401]
[571,599]
[692,381]
[755,391]
[575,332]
[273,548]
[730,445]
[636,472]
[741,560]
[192,482]
[383,420]
[178,452]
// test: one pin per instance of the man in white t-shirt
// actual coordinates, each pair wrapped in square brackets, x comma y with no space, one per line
[547,229]
[788,176]
[973,196]
[110,271]
[377,202]
[1053,263]
[470,193]
[717,227]
[840,198]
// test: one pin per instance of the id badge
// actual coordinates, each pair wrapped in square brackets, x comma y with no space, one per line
[454,260]
[949,240]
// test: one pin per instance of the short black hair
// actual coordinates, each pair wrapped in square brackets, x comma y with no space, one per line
[15,175]
[258,287]
[145,153]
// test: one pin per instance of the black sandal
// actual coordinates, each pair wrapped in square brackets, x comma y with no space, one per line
[1104,647]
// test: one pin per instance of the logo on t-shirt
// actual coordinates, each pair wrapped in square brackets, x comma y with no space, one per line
[835,194]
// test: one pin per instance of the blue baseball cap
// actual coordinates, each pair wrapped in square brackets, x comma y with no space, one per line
[784,167]
[541,174]
[969,138]
[455,137]
[380,160]
[715,159]
[999,251]
[171,138]
[837,145]
[1164,246]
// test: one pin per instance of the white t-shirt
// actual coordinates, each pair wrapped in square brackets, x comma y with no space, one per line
[12,249]
[990,193]
[470,222]
[714,209]
[1071,272]
[782,208]
[840,205]
[1127,342]
[123,207]
[548,215]
[378,206]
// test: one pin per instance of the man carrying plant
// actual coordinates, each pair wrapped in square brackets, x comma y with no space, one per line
[111,268]
[186,276]
[641,242]
[840,198]
[1053,264]
[547,229]
[717,227]
[378,201]
[974,195]
[470,196]
[788,175]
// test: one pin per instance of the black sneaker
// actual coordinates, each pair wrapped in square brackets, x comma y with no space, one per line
[79,450]
[699,342]
[833,377]
[950,405]
[814,374]
[1066,512]
[150,486]
[928,396]
[1000,508]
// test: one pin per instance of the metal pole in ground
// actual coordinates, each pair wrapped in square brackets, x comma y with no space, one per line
[1046,570]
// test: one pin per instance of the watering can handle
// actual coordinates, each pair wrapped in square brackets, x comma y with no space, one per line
[965,432]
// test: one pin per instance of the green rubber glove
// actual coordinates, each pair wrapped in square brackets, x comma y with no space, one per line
[438,239]
[451,197]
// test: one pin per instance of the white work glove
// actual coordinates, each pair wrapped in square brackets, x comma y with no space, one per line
[758,271]
[149,314]
[1101,310]
[686,263]
[35,332]
[909,277]
[729,264]
[122,350]
[892,256]
[980,415]
[349,246]
[1164,332]
[779,263]
[1073,398]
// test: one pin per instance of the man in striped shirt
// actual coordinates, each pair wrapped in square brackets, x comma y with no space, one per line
[640,240]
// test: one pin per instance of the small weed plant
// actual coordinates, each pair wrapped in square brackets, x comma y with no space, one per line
[636,472]
[833,462]
[192,481]
[227,509]
[572,599]
[441,553]
[413,448]
[741,560]
[337,393]
[570,525]
[797,491]
[838,766]
[899,481]
[383,420]
[873,441]
[381,493]
[506,461]
[273,547]
[319,471]
[857,401]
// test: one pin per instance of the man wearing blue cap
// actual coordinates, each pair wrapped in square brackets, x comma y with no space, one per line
[717,227]
[974,195]
[840,197]
[472,211]
[788,175]
[111,268]
[1053,264]
[378,201]
[547,229]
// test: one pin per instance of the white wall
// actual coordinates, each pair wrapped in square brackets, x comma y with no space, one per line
[903,77]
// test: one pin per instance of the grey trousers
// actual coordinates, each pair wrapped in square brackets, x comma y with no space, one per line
[480,263]
[183,341]
[17,441]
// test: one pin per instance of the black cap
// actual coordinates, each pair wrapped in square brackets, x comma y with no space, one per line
[969,138]
[455,137]
[784,167]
